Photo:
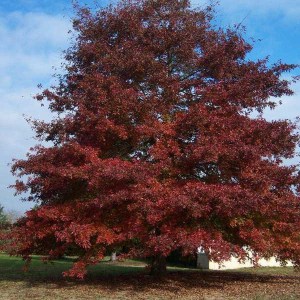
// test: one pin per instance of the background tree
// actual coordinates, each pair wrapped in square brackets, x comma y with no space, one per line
[13,215]
[4,222]
[155,144]
[7,219]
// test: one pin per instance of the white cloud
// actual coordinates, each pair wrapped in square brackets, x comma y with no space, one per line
[31,44]
[28,29]
[290,107]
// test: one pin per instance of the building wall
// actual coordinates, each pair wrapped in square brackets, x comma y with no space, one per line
[204,263]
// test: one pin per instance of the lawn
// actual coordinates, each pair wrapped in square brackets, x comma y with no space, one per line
[129,280]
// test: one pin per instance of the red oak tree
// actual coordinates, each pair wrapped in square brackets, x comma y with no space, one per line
[155,146]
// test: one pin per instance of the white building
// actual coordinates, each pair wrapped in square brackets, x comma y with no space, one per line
[204,263]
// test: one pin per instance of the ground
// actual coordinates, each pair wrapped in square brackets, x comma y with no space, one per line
[129,280]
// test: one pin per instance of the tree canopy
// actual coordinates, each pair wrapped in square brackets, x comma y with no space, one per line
[155,146]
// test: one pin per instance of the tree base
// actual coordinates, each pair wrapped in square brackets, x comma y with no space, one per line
[158,266]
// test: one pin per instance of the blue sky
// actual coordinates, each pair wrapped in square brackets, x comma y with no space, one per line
[34,33]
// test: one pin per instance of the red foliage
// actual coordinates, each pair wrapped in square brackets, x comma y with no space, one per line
[154,146]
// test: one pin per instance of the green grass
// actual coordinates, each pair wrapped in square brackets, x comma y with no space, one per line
[12,268]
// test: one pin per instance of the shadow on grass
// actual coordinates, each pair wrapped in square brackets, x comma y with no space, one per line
[129,276]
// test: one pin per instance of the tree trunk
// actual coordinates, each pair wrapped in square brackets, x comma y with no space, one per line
[158,266]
